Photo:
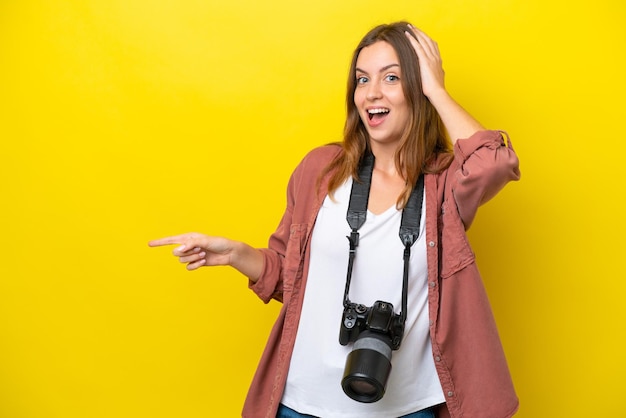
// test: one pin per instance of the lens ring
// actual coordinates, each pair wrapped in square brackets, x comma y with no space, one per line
[363,388]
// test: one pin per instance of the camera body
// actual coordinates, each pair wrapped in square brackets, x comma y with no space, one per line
[379,318]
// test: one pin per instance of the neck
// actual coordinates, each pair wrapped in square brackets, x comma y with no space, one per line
[385,160]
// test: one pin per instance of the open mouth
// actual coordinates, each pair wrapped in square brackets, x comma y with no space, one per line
[377,113]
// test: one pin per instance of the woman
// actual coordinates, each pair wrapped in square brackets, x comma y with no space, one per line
[450,361]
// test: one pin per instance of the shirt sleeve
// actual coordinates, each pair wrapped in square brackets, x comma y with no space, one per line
[483,164]
[270,284]
[286,251]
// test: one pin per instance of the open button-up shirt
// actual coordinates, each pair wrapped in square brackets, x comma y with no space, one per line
[468,355]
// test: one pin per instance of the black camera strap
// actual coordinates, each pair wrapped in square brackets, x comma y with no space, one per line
[409,224]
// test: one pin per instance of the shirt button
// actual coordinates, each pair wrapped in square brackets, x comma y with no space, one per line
[437,358]
[431,322]
[431,244]
[450,394]
[431,284]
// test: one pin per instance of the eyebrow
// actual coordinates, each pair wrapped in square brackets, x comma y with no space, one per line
[385,68]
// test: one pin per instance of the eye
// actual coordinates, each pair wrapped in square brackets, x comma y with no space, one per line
[392,78]
[361,79]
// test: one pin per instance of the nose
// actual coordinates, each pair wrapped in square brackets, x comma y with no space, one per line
[374,91]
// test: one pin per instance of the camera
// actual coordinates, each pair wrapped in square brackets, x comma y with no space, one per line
[375,332]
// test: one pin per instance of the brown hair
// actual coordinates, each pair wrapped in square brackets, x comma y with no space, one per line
[424,139]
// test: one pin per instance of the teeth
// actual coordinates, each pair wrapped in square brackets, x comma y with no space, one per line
[373,111]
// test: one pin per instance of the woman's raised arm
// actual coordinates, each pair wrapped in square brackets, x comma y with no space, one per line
[458,122]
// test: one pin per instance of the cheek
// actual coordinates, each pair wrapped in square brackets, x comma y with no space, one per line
[397,97]
[401,104]
[359,103]
[358,97]
[405,115]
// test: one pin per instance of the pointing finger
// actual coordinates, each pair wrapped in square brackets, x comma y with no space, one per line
[165,241]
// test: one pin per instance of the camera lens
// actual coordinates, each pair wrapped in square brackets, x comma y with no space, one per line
[362,387]
[368,367]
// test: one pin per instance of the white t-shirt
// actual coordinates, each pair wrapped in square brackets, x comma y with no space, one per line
[317,364]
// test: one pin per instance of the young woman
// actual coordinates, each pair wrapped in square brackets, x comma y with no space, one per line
[447,359]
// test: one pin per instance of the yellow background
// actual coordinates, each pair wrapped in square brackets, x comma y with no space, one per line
[122,121]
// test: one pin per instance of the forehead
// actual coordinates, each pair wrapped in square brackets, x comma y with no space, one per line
[377,56]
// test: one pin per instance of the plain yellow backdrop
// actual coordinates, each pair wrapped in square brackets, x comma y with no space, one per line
[123,121]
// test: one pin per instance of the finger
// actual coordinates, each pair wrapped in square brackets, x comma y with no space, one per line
[419,34]
[411,35]
[191,256]
[185,250]
[165,241]
[425,41]
[417,46]
[422,55]
[414,29]
[197,264]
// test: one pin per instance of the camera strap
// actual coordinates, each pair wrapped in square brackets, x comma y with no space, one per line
[357,214]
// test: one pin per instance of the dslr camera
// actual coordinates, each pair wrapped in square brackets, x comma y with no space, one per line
[375,332]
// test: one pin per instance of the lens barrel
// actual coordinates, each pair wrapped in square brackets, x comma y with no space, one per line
[368,367]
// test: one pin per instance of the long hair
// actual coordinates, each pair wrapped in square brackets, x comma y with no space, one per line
[424,139]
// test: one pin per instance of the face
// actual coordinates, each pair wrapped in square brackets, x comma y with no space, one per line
[379,96]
